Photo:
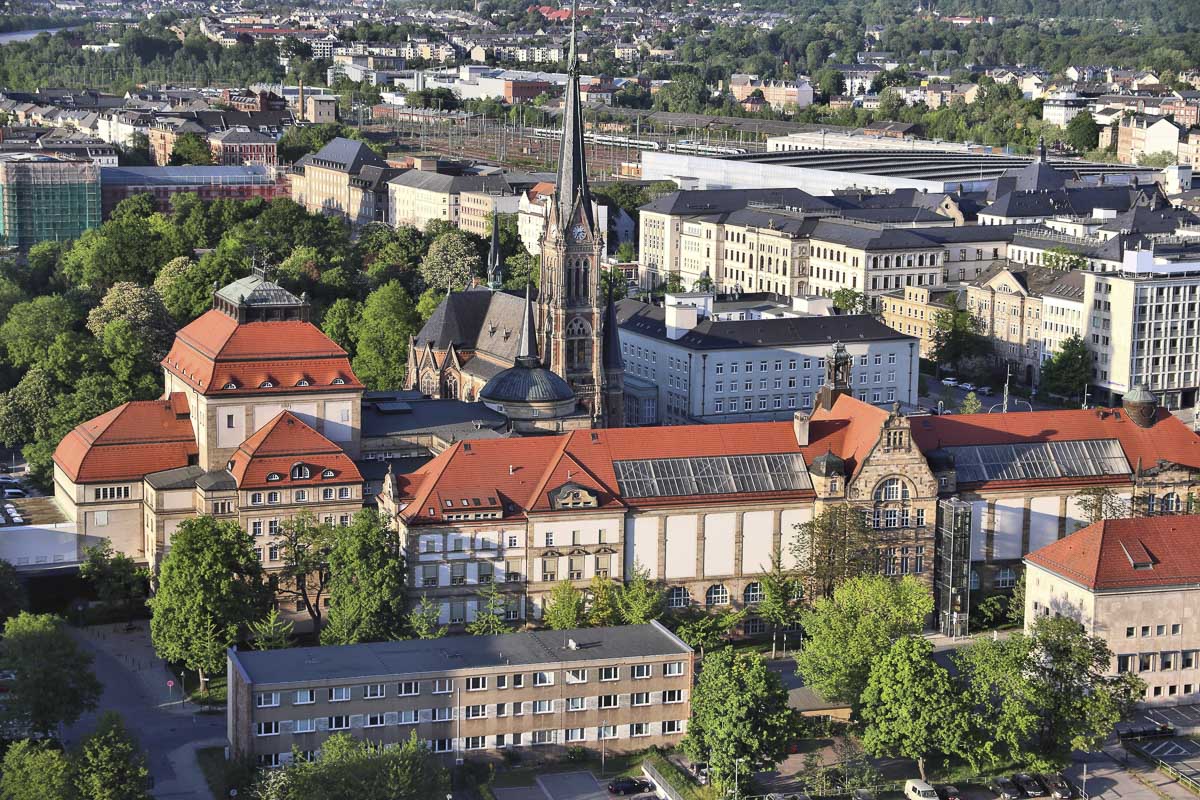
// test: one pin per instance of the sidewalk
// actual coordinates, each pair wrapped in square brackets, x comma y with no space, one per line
[136,653]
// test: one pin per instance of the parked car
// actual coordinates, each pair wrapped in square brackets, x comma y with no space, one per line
[13,493]
[862,794]
[949,381]
[1142,728]
[630,786]
[967,386]
[700,773]
[919,790]
[1029,785]
[1005,789]
[9,480]
[1056,785]
[947,792]
[986,391]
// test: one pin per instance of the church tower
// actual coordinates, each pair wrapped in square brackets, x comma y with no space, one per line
[571,305]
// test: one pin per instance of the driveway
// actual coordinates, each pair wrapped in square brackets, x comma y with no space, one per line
[135,686]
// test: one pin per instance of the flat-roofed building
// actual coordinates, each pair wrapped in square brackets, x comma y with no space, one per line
[622,688]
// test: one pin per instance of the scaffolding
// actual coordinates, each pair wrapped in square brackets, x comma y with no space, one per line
[47,197]
[954,566]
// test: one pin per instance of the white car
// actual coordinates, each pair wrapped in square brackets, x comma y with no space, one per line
[949,381]
[967,386]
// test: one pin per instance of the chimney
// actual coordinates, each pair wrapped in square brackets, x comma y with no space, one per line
[800,422]
[680,319]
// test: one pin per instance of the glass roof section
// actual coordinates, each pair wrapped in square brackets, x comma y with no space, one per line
[671,477]
[1039,460]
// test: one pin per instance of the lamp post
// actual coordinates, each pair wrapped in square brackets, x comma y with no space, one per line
[603,727]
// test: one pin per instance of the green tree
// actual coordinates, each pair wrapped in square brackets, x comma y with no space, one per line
[740,715]
[1099,502]
[452,261]
[423,620]
[115,576]
[36,771]
[849,301]
[52,681]
[613,284]
[13,596]
[428,303]
[110,765]
[641,600]
[304,576]
[31,328]
[780,604]
[848,632]
[1158,160]
[564,608]
[209,585]
[381,337]
[956,337]
[835,545]
[347,767]
[829,82]
[1083,134]
[341,323]
[910,706]
[1059,257]
[367,583]
[489,616]
[173,289]
[521,269]
[272,632]
[603,604]
[970,404]
[190,150]
[1016,603]
[705,630]
[1042,695]
[1069,371]
[626,253]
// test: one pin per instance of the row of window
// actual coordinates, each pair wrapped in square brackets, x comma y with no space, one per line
[498,741]
[1154,630]
[1156,662]
[299,495]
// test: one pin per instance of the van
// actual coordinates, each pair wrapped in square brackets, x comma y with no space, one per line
[919,790]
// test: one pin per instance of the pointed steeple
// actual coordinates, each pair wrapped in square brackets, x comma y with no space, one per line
[572,185]
[495,261]
[610,354]
[1042,149]
[527,353]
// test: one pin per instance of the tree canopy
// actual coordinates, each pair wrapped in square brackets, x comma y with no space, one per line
[52,681]
[366,584]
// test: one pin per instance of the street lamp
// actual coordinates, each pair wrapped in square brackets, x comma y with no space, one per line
[737,792]
[603,727]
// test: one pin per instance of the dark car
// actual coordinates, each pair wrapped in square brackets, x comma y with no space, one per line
[1029,785]
[947,792]
[629,786]
[1143,728]
[1005,789]
[1056,785]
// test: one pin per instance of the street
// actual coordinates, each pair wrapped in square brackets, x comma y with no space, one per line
[134,683]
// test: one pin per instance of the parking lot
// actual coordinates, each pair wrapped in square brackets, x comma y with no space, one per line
[1183,718]
[1182,754]
[561,786]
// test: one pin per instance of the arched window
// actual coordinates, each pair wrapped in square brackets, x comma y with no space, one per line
[579,344]
[302,382]
[301,472]
[679,597]
[891,489]
[274,476]
[339,381]
[1170,504]
[753,593]
[327,473]
[266,385]
[717,595]
[230,385]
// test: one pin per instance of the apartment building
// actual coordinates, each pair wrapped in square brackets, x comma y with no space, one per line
[242,146]
[421,195]
[1141,321]
[1063,313]
[709,366]
[780,95]
[476,210]
[1006,302]
[1132,583]
[45,197]
[913,311]
[1142,135]
[540,692]
[344,178]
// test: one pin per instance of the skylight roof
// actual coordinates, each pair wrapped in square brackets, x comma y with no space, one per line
[670,477]
[1039,460]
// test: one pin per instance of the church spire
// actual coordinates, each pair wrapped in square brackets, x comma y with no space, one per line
[495,261]
[572,184]
[527,353]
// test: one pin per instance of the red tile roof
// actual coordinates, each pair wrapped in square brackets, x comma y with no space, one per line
[1127,553]
[1167,439]
[283,443]
[215,351]
[129,442]
[523,471]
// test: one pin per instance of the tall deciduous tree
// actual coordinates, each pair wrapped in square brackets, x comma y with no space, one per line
[210,584]
[1068,372]
[304,546]
[781,593]
[489,616]
[641,599]
[851,301]
[366,587]
[13,596]
[381,337]
[424,618]
[115,576]
[452,261]
[956,337]
[52,681]
[705,630]
[835,545]
[110,765]
[564,608]
[850,630]
[740,715]
[911,707]
[36,771]
[603,609]
[142,308]
[190,150]
[1041,696]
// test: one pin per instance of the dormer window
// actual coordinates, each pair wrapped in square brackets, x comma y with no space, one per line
[266,385]
[230,385]
[274,476]
[229,465]
[339,381]
[301,472]
[327,473]
[302,382]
